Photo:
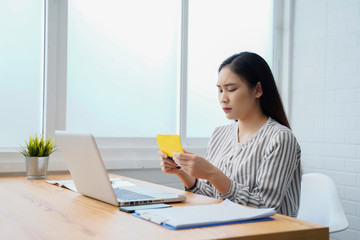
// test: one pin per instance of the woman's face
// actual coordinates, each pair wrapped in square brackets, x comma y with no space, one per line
[236,99]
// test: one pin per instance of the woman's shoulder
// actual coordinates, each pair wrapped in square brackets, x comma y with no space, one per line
[277,128]
[280,133]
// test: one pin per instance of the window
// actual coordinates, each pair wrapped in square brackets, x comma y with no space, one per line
[217,31]
[123,62]
[123,67]
[21,70]
[122,70]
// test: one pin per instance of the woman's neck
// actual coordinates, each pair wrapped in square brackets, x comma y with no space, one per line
[248,126]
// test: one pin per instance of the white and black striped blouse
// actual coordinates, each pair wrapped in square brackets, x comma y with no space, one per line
[265,171]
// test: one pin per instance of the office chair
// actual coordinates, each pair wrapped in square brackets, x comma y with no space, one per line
[320,202]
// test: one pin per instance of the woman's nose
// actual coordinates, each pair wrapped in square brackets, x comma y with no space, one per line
[224,98]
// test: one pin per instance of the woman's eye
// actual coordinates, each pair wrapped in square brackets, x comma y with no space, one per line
[220,91]
[232,90]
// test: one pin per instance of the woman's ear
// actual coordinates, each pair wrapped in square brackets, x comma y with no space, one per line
[258,90]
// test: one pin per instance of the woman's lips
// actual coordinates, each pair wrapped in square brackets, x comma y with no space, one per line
[227,110]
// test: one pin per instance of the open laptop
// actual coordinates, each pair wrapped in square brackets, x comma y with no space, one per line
[91,179]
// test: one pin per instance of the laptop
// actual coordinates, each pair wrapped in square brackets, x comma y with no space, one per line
[91,178]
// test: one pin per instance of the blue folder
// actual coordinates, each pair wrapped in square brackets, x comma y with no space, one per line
[186,217]
[204,225]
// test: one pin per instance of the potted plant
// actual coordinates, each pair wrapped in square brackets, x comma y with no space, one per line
[37,152]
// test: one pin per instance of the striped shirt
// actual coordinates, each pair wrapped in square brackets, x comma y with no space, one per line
[264,171]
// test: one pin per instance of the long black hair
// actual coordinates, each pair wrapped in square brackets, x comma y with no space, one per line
[253,69]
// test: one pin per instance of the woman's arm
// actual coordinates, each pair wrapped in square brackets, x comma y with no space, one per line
[279,167]
[188,180]
[197,167]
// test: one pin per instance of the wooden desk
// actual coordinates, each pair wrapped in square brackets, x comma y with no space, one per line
[34,209]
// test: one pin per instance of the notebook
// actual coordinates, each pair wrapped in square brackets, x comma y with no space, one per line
[224,213]
[91,179]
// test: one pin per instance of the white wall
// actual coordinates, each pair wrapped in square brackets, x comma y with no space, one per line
[325,108]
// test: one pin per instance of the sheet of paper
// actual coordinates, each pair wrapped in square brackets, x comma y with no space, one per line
[169,144]
[69,184]
[226,211]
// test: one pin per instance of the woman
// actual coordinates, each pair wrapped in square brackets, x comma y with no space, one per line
[256,160]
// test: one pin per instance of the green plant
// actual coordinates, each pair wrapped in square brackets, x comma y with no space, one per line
[38,147]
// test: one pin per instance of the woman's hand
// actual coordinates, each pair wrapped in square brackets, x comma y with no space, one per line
[194,165]
[170,166]
[167,165]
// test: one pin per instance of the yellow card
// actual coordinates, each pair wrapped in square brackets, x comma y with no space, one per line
[169,144]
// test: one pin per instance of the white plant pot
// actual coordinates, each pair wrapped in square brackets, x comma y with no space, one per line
[36,167]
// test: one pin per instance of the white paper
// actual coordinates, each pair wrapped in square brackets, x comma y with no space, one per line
[226,211]
[64,183]
[115,182]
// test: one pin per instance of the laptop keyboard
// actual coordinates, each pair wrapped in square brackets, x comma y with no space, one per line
[129,195]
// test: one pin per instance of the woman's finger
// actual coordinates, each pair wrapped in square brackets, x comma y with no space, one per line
[161,154]
[169,162]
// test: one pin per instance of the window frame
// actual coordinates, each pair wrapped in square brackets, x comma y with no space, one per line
[127,153]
